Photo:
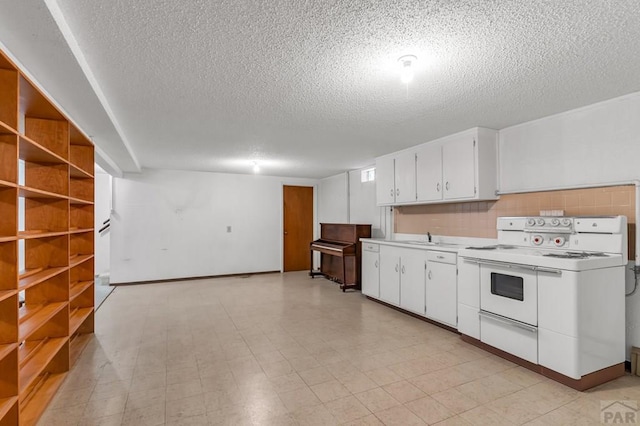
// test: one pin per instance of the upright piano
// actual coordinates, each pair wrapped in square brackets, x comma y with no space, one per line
[340,253]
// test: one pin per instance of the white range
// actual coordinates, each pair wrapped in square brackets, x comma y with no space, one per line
[550,293]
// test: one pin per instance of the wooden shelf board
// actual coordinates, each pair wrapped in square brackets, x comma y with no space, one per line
[5,129]
[80,230]
[5,294]
[33,277]
[78,259]
[33,152]
[77,345]
[78,173]
[73,200]
[6,404]
[7,184]
[38,361]
[38,233]
[77,288]
[6,350]
[31,318]
[27,192]
[33,405]
[77,317]
[7,239]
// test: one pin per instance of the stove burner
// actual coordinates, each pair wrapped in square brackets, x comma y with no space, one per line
[497,246]
[567,255]
[576,255]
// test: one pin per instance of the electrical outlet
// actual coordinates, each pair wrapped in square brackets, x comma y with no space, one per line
[228,229]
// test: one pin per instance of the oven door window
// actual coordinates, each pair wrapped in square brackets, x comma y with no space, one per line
[507,286]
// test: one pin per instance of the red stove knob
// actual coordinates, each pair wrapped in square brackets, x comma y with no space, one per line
[559,241]
[537,240]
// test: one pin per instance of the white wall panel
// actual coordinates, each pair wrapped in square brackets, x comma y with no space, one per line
[173,224]
[596,144]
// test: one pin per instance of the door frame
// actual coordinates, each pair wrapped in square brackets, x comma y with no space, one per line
[315,218]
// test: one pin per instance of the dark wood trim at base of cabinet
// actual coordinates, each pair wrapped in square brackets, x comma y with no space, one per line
[586,382]
[425,319]
[171,280]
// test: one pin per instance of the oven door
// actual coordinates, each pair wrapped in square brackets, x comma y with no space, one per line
[509,290]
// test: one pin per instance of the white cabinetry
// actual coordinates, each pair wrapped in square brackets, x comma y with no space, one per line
[412,275]
[371,270]
[385,181]
[429,172]
[396,179]
[390,275]
[459,167]
[441,291]
[468,298]
[405,173]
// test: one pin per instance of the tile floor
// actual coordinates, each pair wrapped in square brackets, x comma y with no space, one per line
[284,349]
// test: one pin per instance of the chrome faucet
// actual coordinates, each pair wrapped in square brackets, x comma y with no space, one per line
[428,236]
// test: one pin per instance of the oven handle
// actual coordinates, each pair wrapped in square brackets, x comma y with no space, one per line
[508,321]
[513,265]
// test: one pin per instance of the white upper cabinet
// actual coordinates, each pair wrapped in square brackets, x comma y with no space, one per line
[460,167]
[385,181]
[405,173]
[429,173]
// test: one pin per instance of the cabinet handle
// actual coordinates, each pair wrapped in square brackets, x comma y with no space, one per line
[391,192]
[376,263]
[429,275]
[439,257]
[403,269]
[396,268]
[446,186]
[438,187]
[398,191]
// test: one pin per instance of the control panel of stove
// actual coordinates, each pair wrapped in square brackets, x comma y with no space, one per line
[549,240]
[540,224]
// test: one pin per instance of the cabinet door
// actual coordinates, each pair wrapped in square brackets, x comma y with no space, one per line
[389,275]
[412,273]
[370,274]
[429,173]
[442,303]
[385,181]
[459,168]
[405,172]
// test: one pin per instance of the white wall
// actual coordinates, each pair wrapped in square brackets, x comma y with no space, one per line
[173,224]
[597,144]
[102,212]
[333,203]
[344,198]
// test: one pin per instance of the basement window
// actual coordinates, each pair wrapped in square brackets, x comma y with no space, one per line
[368,175]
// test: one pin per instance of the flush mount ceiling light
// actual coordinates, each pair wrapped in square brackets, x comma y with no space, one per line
[407,67]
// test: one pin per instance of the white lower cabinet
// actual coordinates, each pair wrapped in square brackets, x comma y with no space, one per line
[468,298]
[403,280]
[412,275]
[390,275]
[441,288]
[371,270]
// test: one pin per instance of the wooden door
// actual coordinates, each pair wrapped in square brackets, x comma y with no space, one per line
[298,227]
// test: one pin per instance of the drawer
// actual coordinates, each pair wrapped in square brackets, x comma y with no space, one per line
[371,247]
[442,257]
[501,334]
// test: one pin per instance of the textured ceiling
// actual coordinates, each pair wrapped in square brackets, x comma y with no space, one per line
[310,88]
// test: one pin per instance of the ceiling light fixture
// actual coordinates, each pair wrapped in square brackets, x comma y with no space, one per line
[256,168]
[407,68]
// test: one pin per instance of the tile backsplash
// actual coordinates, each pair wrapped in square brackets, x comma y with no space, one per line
[478,219]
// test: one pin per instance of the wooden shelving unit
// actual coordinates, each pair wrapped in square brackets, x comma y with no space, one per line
[46,247]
